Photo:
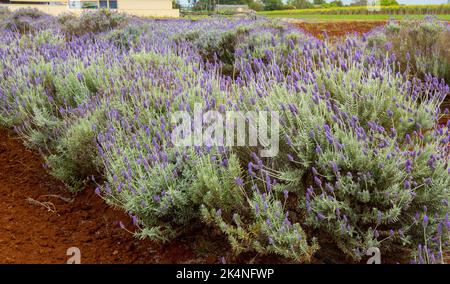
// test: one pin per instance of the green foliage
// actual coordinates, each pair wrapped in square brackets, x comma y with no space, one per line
[301,4]
[270,5]
[266,232]
[255,5]
[361,9]
[75,155]
[221,44]
[389,3]
[333,4]
[207,5]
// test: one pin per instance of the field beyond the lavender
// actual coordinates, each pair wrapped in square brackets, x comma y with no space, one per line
[362,138]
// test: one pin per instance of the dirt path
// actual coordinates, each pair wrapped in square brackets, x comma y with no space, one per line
[29,233]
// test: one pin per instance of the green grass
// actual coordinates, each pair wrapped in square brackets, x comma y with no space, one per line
[194,17]
[325,17]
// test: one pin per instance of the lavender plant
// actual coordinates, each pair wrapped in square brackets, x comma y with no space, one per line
[4,11]
[92,22]
[25,20]
[362,161]
[420,46]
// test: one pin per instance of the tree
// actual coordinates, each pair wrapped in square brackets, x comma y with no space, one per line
[337,3]
[319,2]
[273,4]
[301,4]
[389,3]
[211,4]
[255,5]
[176,4]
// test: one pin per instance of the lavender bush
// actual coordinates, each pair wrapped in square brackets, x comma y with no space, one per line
[4,11]
[362,160]
[25,20]
[422,47]
[94,22]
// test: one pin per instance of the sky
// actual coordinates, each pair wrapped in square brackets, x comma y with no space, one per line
[183,2]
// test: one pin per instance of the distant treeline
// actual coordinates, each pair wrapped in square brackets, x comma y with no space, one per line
[358,10]
[335,7]
[270,5]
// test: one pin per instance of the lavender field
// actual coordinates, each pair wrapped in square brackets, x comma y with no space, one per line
[362,158]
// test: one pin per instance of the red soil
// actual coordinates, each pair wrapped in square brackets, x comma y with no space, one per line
[338,29]
[30,233]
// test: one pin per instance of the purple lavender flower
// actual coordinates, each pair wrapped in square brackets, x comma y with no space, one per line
[290,158]
[425,220]
[135,220]
[408,139]
[288,140]
[320,216]
[329,187]
[408,166]
[268,182]
[318,149]
[222,260]
[407,184]
[250,169]
[318,181]
[334,167]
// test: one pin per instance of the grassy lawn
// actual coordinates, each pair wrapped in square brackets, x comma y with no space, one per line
[324,17]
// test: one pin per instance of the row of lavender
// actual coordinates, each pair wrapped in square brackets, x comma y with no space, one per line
[362,161]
